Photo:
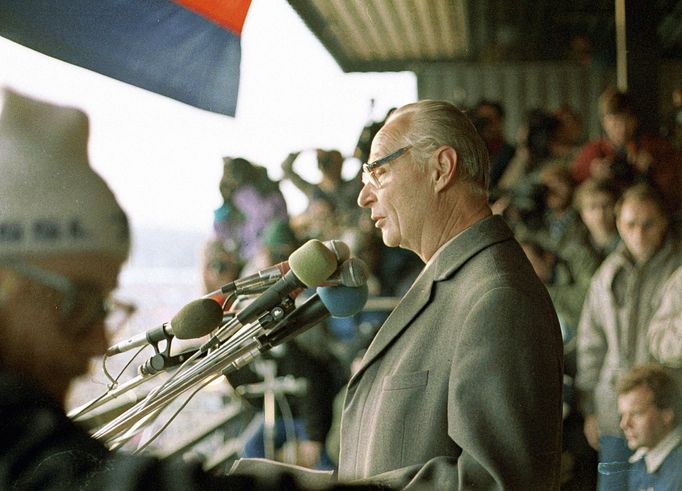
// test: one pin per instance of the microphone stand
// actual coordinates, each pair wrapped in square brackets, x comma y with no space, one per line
[79,412]
[271,389]
[268,371]
[234,353]
[156,364]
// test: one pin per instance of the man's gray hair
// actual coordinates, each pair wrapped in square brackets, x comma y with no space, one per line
[433,124]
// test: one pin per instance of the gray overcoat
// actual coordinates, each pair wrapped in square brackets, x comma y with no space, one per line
[461,387]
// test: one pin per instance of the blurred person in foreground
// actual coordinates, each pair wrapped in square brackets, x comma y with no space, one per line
[63,241]
[612,333]
[461,386]
[649,405]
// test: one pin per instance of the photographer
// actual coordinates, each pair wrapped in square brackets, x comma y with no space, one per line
[627,155]
[488,118]
[332,187]
[537,139]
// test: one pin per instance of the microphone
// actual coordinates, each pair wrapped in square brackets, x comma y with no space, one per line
[335,301]
[257,282]
[352,272]
[310,264]
[194,320]
[339,248]
[251,283]
[343,301]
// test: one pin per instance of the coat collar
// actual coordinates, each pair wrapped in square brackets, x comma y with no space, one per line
[654,457]
[621,259]
[444,264]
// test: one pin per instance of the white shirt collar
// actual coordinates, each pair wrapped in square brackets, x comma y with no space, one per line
[654,458]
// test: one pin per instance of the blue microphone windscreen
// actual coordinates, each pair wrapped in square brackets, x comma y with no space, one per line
[312,263]
[197,318]
[343,301]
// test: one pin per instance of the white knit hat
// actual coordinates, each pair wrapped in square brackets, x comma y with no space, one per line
[51,201]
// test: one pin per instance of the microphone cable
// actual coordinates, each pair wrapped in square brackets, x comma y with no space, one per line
[111,386]
[175,414]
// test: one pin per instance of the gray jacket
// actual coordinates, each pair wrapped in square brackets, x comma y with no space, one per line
[461,387]
[612,334]
[665,329]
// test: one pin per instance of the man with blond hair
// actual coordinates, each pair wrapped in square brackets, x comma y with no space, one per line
[649,405]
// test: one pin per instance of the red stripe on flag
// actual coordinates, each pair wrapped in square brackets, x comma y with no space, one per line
[226,13]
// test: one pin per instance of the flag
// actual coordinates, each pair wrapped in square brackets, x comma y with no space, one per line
[189,50]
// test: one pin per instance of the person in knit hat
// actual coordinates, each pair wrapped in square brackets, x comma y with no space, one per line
[63,241]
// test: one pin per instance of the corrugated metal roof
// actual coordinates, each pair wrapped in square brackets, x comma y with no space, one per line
[382,35]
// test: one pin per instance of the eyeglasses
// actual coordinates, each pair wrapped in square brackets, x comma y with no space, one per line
[82,305]
[369,169]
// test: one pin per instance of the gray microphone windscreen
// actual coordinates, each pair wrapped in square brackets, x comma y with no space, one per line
[312,263]
[353,272]
[339,248]
[197,318]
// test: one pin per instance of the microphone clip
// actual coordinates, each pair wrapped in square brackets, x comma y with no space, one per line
[162,361]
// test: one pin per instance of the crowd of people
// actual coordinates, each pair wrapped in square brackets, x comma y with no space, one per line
[599,223]
[537,337]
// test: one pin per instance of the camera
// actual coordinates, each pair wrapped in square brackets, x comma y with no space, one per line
[527,204]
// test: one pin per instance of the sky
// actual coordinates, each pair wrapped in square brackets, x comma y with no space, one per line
[163,159]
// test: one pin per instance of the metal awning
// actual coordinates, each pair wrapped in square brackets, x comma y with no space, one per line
[392,35]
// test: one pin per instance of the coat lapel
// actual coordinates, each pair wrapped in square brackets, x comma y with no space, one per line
[479,236]
[411,304]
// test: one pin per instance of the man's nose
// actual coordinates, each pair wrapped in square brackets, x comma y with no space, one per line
[639,232]
[366,195]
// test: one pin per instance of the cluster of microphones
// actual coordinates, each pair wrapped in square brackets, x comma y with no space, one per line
[341,291]
[238,322]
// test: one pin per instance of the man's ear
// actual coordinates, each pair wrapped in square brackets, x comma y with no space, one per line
[668,416]
[444,169]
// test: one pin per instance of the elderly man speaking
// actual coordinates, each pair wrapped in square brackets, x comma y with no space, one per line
[461,387]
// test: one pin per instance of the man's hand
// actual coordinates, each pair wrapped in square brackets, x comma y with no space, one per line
[591,430]
[307,452]
[643,161]
[600,169]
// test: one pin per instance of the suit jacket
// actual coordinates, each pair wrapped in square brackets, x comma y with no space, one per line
[461,387]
